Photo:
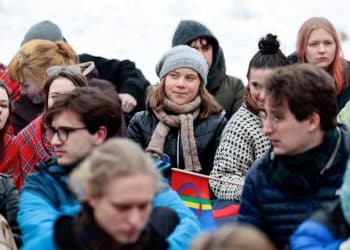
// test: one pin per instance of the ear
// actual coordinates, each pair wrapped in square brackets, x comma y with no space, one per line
[91,200]
[100,135]
[314,122]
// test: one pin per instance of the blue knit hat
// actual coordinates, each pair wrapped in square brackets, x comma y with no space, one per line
[45,30]
[182,56]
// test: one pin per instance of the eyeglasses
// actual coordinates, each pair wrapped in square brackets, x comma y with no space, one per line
[70,69]
[62,132]
[274,119]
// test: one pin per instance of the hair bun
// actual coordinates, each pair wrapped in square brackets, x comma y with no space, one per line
[269,44]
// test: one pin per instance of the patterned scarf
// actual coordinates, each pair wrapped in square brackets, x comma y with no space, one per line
[300,173]
[184,116]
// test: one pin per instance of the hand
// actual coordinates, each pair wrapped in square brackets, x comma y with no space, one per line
[128,102]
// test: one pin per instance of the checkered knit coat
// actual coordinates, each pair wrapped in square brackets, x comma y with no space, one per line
[242,142]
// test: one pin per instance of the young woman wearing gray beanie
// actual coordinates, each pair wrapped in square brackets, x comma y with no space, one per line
[182,120]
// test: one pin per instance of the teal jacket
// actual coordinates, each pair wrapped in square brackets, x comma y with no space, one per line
[45,197]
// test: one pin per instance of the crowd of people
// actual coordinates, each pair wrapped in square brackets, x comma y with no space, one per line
[81,136]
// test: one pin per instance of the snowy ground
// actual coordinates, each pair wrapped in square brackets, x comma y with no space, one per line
[142,30]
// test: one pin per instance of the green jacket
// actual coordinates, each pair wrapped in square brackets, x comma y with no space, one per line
[227,90]
[230,94]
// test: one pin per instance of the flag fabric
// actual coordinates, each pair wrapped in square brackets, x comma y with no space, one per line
[194,191]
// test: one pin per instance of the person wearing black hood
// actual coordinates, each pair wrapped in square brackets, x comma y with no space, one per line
[227,90]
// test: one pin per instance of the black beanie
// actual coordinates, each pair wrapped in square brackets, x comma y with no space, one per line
[189,30]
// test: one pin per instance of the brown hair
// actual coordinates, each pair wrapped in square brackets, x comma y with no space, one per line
[78,80]
[3,131]
[36,56]
[237,237]
[95,107]
[337,68]
[156,95]
[307,89]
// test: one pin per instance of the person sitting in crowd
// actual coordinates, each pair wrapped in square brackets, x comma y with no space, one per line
[329,227]
[9,162]
[227,90]
[183,120]
[318,44]
[28,67]
[77,122]
[116,185]
[128,80]
[233,237]
[34,146]
[304,168]
[9,169]
[243,140]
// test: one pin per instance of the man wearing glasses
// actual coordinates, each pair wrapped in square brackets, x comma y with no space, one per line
[78,122]
[305,165]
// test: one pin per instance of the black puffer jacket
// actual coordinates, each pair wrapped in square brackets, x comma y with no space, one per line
[9,206]
[207,134]
[124,75]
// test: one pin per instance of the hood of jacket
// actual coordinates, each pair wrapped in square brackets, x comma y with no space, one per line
[189,30]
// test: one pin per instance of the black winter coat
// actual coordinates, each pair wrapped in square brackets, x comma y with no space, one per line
[124,75]
[207,134]
[83,233]
[9,206]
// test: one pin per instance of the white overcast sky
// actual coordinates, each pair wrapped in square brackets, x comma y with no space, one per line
[142,30]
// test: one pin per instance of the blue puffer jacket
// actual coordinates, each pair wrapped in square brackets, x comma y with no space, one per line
[278,212]
[325,230]
[45,197]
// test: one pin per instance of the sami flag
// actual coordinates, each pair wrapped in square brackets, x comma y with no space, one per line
[193,189]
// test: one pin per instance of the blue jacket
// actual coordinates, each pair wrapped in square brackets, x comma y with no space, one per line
[325,230]
[45,197]
[278,212]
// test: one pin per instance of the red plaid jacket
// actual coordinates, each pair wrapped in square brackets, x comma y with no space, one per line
[33,147]
[13,87]
[9,163]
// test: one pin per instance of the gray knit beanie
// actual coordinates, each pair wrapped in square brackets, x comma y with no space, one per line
[45,30]
[182,56]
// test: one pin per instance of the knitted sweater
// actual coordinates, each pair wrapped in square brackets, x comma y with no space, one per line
[242,142]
